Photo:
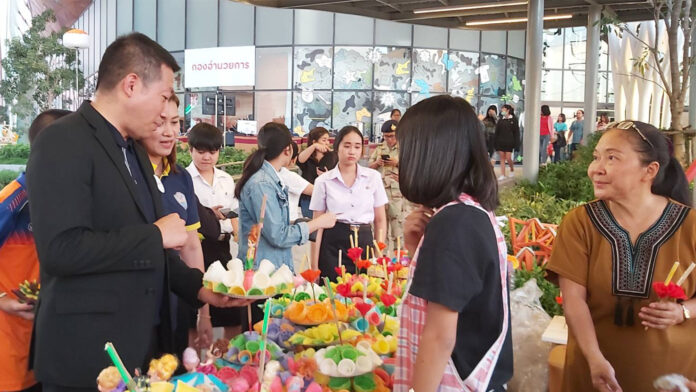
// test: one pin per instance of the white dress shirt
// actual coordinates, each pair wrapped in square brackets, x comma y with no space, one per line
[219,193]
[352,205]
[296,185]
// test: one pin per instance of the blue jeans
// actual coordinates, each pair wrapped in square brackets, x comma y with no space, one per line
[543,143]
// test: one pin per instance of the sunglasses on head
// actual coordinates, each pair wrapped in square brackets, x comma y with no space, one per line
[627,125]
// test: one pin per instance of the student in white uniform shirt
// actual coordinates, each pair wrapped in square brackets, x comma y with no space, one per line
[297,186]
[356,195]
[215,190]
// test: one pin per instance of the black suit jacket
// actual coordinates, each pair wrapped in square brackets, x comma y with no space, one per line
[101,261]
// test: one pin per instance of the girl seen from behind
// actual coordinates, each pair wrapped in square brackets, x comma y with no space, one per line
[456,307]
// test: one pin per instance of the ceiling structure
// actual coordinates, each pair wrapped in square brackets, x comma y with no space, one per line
[475,10]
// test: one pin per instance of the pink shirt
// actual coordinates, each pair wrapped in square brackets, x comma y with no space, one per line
[354,205]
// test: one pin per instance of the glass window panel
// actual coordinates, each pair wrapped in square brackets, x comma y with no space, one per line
[392,33]
[515,78]
[313,67]
[243,109]
[429,72]
[492,75]
[575,47]
[574,86]
[171,15]
[463,79]
[464,39]
[602,87]
[273,68]
[124,17]
[393,69]
[353,68]
[384,102]
[551,84]
[553,49]
[273,26]
[111,22]
[201,24]
[516,43]
[603,55]
[236,24]
[273,106]
[429,37]
[353,108]
[310,109]
[144,17]
[354,30]
[494,41]
[485,102]
[313,27]
[196,111]
[179,76]
[417,97]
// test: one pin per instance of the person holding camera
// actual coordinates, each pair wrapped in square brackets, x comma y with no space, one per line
[385,159]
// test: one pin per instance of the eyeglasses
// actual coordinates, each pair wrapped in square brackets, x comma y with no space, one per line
[626,125]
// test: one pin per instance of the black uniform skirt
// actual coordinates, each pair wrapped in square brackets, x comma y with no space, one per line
[337,238]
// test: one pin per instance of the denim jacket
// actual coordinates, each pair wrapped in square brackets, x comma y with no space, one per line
[278,236]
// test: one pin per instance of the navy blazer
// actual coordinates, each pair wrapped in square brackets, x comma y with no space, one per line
[101,261]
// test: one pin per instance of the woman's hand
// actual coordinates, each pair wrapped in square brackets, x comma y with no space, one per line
[218,214]
[603,376]
[414,227]
[322,148]
[661,315]
[15,308]
[204,331]
[326,220]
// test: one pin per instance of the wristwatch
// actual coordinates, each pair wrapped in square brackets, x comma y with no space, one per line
[687,314]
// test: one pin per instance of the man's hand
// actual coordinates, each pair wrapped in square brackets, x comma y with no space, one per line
[173,230]
[393,162]
[221,301]
[15,308]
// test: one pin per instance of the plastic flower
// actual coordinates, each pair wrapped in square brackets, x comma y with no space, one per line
[670,291]
[387,299]
[363,308]
[381,245]
[559,300]
[343,289]
[311,275]
[355,253]
[363,264]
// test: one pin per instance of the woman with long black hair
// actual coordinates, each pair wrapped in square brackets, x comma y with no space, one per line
[356,195]
[260,178]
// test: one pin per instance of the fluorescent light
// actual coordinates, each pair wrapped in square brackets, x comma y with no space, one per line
[468,7]
[514,20]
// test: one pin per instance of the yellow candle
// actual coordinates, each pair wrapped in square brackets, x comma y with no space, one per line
[686,274]
[672,272]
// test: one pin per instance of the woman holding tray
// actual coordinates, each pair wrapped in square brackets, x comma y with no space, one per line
[356,195]
[609,252]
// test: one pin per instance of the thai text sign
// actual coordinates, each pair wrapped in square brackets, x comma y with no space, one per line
[212,67]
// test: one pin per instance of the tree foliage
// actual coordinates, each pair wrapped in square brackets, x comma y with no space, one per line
[37,68]
[678,17]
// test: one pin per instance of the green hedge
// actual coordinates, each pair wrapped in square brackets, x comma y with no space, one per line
[227,155]
[6,176]
[14,154]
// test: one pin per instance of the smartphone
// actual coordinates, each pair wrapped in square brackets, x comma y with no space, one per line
[228,213]
[385,157]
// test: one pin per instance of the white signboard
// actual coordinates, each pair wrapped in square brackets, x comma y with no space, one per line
[247,127]
[213,67]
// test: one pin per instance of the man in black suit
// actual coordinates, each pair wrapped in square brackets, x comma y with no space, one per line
[105,250]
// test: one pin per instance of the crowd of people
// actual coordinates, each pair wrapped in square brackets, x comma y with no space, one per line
[119,236]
